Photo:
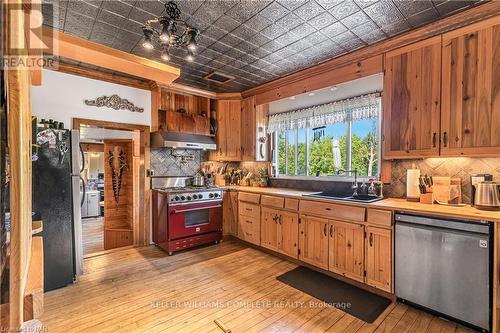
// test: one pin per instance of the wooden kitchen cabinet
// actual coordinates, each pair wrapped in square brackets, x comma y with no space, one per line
[470,114]
[269,228]
[249,222]
[288,233]
[280,231]
[379,258]
[412,101]
[230,213]
[313,241]
[346,249]
[228,131]
[248,128]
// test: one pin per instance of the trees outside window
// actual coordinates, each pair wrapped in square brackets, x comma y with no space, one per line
[348,146]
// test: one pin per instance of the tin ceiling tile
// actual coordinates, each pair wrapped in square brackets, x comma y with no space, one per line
[447,7]
[327,4]
[272,46]
[244,32]
[315,38]
[213,32]
[423,18]
[258,22]
[112,18]
[383,13]
[139,15]
[396,28]
[366,3]
[245,9]
[292,4]
[289,21]
[273,31]
[309,10]
[274,11]
[78,25]
[83,8]
[409,8]
[259,39]
[226,23]
[154,7]
[356,19]
[117,7]
[334,29]
[189,7]
[323,20]
[344,9]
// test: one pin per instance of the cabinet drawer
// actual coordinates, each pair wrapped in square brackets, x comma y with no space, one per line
[249,229]
[379,217]
[249,210]
[276,202]
[292,204]
[331,210]
[249,197]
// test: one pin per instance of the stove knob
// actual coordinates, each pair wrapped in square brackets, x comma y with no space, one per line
[211,195]
[182,197]
[189,197]
[200,196]
[195,196]
[216,195]
[177,198]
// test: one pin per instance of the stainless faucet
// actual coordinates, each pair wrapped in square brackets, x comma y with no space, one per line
[355,183]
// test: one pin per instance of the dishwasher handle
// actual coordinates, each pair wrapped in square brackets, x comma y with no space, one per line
[468,226]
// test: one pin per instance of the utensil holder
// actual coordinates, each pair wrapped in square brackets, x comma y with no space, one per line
[427,198]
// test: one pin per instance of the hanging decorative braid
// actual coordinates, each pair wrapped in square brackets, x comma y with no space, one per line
[118,163]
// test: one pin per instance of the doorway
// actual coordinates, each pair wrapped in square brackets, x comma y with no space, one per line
[115,192]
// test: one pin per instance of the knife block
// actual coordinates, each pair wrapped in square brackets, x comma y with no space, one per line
[427,198]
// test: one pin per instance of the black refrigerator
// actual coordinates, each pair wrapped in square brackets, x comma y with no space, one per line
[56,201]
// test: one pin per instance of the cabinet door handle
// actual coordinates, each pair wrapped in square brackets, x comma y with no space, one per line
[324,229]
[371,239]
[281,219]
[331,231]
[434,139]
[445,139]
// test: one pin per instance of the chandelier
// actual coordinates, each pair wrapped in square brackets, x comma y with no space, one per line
[167,31]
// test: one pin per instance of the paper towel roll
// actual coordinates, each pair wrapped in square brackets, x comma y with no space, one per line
[412,190]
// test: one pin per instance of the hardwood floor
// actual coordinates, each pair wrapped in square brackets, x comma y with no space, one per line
[144,290]
[93,235]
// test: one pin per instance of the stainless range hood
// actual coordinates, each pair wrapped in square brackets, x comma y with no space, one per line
[163,139]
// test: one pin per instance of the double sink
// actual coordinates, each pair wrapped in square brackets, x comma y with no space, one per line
[344,197]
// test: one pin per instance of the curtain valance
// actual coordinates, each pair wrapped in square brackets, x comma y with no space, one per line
[356,108]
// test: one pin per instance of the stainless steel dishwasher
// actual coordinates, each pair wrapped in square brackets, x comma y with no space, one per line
[445,266]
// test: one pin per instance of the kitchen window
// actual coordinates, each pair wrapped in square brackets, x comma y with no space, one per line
[321,140]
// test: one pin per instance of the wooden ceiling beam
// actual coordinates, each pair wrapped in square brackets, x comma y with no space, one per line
[472,15]
[88,52]
[102,76]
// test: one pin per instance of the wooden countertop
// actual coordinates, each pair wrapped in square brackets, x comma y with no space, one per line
[466,212]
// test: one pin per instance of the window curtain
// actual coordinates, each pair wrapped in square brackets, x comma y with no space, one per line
[356,108]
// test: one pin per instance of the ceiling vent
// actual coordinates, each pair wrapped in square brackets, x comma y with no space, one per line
[218,77]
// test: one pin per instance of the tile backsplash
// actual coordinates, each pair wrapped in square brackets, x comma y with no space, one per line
[457,167]
[176,162]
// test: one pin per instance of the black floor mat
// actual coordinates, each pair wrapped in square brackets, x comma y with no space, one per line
[360,303]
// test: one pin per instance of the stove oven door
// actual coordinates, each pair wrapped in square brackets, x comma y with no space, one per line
[194,219]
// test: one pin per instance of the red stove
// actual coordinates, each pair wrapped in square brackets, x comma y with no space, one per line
[185,216]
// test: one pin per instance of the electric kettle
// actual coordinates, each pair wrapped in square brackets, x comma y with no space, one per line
[487,196]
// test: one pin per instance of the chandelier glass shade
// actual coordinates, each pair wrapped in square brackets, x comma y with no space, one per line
[167,31]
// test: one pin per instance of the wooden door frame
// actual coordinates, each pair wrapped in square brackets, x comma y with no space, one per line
[141,227]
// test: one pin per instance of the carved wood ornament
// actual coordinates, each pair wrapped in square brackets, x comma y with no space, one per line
[114,102]
[118,164]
